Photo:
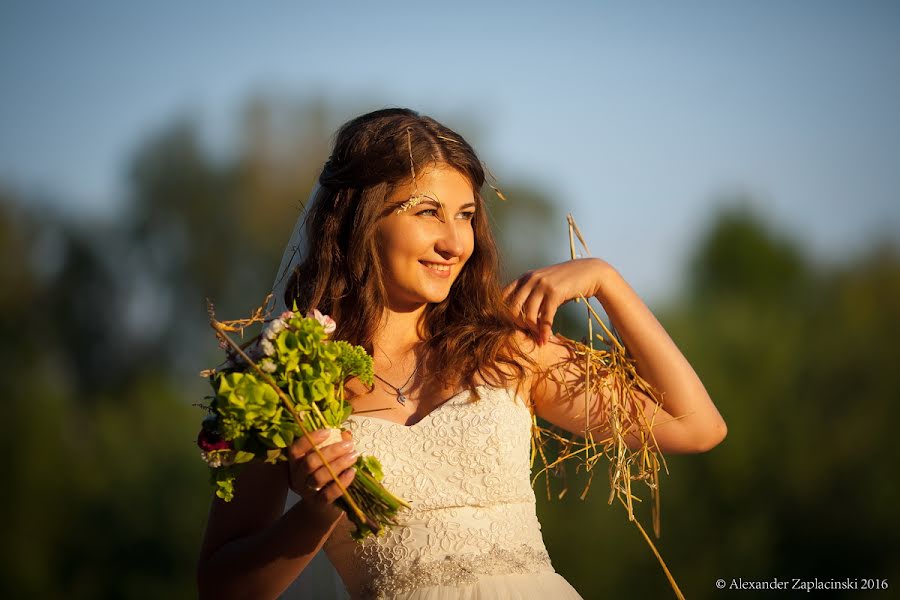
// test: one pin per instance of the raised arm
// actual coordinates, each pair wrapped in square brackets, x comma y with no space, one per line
[687,422]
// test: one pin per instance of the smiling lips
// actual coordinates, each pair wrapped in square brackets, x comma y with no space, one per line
[437,269]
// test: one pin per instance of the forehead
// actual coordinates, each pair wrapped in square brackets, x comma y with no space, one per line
[442,184]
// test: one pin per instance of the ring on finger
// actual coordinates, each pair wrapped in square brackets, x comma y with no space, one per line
[312,486]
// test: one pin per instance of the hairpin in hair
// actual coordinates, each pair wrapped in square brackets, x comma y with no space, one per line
[413,200]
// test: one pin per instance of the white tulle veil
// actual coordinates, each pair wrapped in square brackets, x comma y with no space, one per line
[296,250]
[319,579]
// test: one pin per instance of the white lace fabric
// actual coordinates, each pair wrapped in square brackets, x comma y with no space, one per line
[465,469]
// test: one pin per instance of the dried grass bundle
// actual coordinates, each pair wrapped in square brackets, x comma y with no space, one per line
[610,377]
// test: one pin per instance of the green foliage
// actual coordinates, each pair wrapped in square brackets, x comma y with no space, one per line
[247,404]
[105,496]
[354,361]
[249,413]
[371,463]
[222,480]
[804,375]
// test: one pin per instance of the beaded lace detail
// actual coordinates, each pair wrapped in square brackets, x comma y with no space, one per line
[460,569]
[465,470]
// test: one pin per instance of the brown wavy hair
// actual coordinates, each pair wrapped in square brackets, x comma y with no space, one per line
[471,332]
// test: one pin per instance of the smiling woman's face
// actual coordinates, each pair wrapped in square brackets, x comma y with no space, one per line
[424,247]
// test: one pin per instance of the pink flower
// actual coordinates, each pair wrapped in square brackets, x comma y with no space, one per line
[286,315]
[326,321]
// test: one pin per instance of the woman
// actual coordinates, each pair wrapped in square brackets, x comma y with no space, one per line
[402,257]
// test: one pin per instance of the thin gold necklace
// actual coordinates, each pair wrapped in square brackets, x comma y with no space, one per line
[401,397]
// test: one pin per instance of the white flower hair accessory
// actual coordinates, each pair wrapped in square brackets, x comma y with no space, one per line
[410,203]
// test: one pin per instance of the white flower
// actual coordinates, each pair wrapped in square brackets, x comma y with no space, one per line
[274,327]
[268,365]
[218,458]
[326,321]
[267,347]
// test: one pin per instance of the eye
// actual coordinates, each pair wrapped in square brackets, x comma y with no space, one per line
[432,212]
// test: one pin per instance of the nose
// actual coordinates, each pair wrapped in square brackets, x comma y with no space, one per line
[450,243]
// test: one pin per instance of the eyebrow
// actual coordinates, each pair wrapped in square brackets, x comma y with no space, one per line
[428,200]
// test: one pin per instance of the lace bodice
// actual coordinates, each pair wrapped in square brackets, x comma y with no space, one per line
[465,469]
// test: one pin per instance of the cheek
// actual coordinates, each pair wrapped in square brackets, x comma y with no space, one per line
[398,247]
[470,243]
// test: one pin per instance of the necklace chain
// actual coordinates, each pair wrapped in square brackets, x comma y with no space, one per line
[401,397]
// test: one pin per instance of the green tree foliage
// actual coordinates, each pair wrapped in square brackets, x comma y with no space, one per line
[99,476]
[801,361]
[104,330]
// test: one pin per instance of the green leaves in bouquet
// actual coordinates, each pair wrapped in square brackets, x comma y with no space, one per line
[304,342]
[371,464]
[354,361]
[309,370]
[222,480]
[247,405]
[313,369]
[298,344]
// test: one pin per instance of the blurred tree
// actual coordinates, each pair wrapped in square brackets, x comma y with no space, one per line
[741,259]
[527,227]
[800,362]
[104,331]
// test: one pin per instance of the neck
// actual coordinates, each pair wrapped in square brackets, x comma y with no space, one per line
[398,333]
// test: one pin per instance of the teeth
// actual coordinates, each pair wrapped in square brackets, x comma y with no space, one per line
[441,268]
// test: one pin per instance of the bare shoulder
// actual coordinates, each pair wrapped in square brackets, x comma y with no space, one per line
[551,354]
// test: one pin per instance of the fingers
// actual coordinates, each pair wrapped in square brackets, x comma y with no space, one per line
[310,477]
[511,287]
[339,456]
[548,313]
[518,289]
[332,492]
[532,306]
[302,445]
[537,304]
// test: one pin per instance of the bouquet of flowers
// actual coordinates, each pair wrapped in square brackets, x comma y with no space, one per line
[287,382]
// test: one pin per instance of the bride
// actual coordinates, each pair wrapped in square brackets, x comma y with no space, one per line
[400,254]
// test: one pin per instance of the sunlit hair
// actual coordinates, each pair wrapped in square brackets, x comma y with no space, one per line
[469,333]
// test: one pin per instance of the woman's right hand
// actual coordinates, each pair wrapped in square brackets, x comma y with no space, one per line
[306,472]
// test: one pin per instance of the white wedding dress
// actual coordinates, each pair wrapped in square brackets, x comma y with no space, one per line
[472,532]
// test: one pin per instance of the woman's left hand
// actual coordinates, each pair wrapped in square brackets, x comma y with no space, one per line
[537,294]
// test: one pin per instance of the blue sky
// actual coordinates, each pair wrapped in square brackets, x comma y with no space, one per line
[637,117]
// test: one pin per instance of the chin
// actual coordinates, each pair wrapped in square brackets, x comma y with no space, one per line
[426,292]
[433,296]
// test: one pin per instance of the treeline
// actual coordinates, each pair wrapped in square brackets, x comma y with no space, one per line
[801,359]
[104,330]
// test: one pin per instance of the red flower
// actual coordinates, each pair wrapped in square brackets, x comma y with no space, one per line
[209,441]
